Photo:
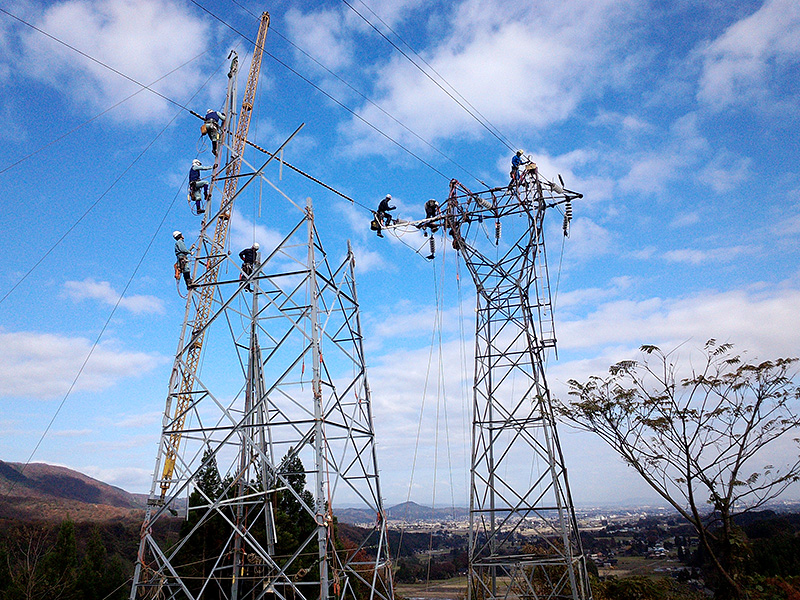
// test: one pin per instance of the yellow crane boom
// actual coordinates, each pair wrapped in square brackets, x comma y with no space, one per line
[188,371]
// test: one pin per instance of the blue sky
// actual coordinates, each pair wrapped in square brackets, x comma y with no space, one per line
[678,121]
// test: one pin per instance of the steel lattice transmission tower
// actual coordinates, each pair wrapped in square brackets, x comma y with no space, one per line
[292,385]
[518,477]
[268,394]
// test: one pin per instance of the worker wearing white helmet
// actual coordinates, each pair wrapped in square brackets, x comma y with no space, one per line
[249,257]
[182,253]
[382,215]
[198,188]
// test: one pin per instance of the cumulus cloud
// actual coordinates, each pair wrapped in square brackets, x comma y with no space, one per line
[685,219]
[388,12]
[42,365]
[144,40]
[323,35]
[629,124]
[69,433]
[368,260]
[760,320]
[413,389]
[544,66]
[588,239]
[585,296]
[725,172]
[102,290]
[412,386]
[739,67]
[243,233]
[696,256]
[650,172]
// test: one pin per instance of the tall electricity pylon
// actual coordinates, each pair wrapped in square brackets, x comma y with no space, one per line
[287,387]
[518,488]
[268,392]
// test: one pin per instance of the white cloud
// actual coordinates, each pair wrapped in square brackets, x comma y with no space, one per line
[243,233]
[139,420]
[417,403]
[630,124]
[388,11]
[651,172]
[585,296]
[127,478]
[760,321]
[323,35]
[738,65]
[685,219]
[144,40]
[788,226]
[68,433]
[368,260]
[696,256]
[102,290]
[409,415]
[515,72]
[644,253]
[588,240]
[725,172]
[41,365]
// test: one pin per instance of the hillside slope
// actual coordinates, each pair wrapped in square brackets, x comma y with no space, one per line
[47,492]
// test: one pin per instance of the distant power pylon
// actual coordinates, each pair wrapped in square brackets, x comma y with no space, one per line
[268,392]
[518,477]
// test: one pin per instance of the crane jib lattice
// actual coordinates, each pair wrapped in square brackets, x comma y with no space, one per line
[185,370]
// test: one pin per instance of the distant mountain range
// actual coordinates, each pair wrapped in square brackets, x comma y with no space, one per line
[41,492]
[407,511]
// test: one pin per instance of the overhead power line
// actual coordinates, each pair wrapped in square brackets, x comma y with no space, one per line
[483,121]
[362,95]
[439,75]
[93,59]
[323,92]
[113,310]
[97,116]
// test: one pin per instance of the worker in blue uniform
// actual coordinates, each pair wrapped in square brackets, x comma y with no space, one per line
[182,253]
[198,188]
[516,161]
[212,127]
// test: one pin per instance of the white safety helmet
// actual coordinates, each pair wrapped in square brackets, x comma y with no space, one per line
[196,162]
[176,234]
[255,246]
[210,110]
[520,152]
[388,196]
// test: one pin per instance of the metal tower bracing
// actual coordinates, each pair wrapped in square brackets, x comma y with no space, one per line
[518,478]
[296,410]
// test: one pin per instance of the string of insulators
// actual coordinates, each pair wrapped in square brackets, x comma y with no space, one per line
[484,202]
[567,217]
[432,243]
[497,229]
